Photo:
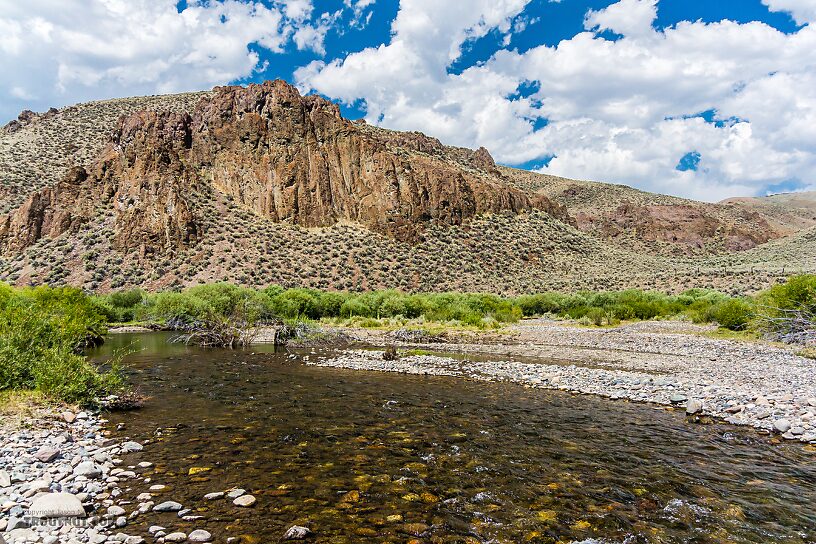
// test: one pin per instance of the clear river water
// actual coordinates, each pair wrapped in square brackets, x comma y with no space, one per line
[370,457]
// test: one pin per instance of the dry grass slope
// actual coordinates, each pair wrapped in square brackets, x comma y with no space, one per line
[40,152]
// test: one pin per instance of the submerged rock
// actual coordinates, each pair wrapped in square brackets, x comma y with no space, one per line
[167,506]
[297,532]
[199,535]
[244,501]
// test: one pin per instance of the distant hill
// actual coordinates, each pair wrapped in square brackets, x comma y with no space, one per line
[260,185]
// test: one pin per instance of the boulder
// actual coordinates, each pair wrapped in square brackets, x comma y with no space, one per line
[46,455]
[782,425]
[57,505]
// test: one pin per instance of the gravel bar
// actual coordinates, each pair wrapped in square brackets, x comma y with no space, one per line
[741,382]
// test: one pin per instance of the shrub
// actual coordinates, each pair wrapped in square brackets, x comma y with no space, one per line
[798,292]
[787,312]
[733,314]
[596,316]
[41,332]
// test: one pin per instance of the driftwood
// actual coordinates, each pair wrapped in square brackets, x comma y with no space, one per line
[236,330]
[218,334]
[796,326]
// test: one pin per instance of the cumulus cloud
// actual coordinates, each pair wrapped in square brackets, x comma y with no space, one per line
[405,83]
[803,11]
[56,52]
[740,98]
[628,17]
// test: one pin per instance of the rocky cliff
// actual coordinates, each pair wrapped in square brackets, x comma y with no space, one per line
[288,158]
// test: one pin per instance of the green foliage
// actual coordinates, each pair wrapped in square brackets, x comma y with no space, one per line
[733,314]
[798,293]
[121,306]
[42,330]
[787,312]
[471,309]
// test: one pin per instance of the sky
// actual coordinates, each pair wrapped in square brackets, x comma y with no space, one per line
[705,99]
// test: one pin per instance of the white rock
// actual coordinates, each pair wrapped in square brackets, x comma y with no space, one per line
[88,469]
[167,506]
[199,535]
[693,406]
[782,425]
[56,505]
[175,537]
[296,532]
[235,493]
[244,501]
[132,447]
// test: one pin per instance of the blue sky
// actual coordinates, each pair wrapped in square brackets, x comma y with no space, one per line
[705,99]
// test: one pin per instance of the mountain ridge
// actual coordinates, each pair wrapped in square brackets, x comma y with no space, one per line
[173,177]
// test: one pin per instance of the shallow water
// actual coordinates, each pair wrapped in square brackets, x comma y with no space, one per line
[346,452]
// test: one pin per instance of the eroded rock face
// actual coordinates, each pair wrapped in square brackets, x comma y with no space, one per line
[685,226]
[290,158]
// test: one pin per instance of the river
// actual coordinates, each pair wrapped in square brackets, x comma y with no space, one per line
[368,457]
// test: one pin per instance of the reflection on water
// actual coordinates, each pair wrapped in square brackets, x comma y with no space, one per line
[367,457]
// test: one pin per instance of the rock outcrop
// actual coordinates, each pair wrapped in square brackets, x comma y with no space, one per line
[686,227]
[289,158]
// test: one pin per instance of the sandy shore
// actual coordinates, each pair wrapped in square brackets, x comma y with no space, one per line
[742,382]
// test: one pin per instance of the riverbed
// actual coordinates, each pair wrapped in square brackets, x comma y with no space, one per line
[377,457]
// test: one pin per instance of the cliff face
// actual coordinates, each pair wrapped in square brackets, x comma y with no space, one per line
[289,158]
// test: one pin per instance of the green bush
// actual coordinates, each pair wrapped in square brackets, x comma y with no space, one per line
[787,312]
[41,332]
[798,292]
[733,314]
[596,316]
[476,309]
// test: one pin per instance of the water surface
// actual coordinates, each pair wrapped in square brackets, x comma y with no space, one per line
[370,457]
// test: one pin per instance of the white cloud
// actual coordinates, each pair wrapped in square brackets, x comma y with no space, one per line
[56,52]
[617,111]
[298,10]
[311,36]
[628,17]
[803,11]
[361,16]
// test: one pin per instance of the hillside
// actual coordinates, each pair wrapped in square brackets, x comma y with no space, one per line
[789,212]
[259,185]
[655,222]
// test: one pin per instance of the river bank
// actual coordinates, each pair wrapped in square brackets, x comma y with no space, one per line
[63,480]
[748,383]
